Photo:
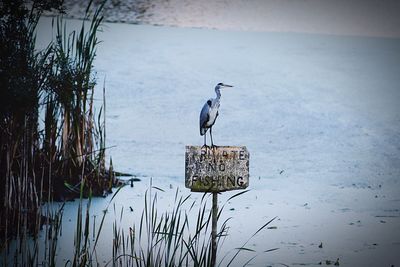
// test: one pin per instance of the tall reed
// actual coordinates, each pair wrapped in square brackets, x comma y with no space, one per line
[74,141]
[175,237]
[22,76]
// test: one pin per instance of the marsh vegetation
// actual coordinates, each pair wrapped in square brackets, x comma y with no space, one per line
[52,138]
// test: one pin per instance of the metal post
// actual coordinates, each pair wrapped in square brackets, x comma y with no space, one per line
[214,229]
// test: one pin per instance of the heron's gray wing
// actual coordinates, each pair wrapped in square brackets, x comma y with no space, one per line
[204,117]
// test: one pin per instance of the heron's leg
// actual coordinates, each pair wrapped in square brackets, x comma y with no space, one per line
[212,144]
[213,147]
[205,142]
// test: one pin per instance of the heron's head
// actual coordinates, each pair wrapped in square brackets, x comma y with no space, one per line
[222,85]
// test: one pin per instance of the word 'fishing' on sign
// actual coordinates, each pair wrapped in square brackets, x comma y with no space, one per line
[216,169]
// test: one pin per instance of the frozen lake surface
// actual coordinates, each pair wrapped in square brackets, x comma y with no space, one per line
[319,114]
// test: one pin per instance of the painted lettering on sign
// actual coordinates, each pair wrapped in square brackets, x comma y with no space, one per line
[216,169]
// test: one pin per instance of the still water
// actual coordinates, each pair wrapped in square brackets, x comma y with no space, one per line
[319,115]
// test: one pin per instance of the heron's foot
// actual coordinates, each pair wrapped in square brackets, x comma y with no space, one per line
[205,146]
[214,146]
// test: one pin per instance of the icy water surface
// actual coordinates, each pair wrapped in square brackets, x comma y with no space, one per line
[319,114]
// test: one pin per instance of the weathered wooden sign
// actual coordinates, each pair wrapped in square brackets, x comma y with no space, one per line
[216,169]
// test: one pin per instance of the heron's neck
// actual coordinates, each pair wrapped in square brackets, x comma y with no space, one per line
[218,93]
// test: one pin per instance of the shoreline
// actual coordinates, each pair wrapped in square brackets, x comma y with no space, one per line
[355,18]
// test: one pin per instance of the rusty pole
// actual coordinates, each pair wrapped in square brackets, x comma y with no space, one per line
[214,229]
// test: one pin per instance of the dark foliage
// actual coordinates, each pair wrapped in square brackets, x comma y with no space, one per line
[39,162]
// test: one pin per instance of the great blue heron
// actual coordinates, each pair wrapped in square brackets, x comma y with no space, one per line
[209,113]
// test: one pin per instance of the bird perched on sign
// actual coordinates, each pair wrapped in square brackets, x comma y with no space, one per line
[209,113]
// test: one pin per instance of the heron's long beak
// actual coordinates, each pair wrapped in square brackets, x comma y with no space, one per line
[226,85]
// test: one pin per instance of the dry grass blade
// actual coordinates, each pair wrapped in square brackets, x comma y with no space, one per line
[260,229]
